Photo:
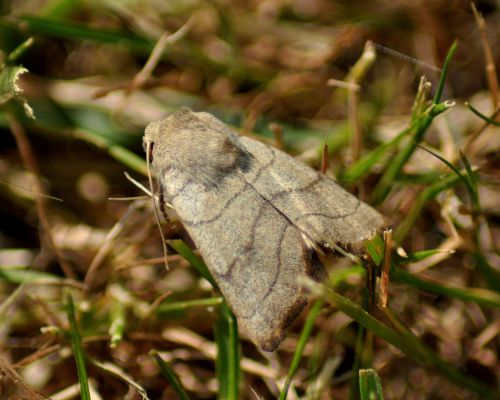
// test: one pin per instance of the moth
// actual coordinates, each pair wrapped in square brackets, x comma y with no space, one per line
[257,215]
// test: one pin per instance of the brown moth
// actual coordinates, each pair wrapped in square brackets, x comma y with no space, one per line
[257,216]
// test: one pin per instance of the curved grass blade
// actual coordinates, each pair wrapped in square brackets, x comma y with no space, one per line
[475,295]
[183,249]
[71,30]
[304,336]
[482,116]
[361,167]
[422,123]
[76,342]
[370,386]
[183,305]
[406,341]
[466,179]
[170,375]
[227,363]
[120,153]
[444,73]
[419,203]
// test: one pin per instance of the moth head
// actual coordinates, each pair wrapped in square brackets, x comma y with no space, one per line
[196,144]
[150,137]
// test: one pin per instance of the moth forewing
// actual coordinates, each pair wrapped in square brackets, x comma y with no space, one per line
[256,215]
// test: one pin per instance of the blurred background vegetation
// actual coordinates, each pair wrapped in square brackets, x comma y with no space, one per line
[77,92]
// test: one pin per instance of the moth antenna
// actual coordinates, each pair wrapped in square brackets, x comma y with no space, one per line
[405,57]
[157,215]
[30,191]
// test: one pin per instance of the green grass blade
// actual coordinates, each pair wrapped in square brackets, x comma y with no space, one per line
[469,179]
[482,116]
[20,50]
[10,89]
[339,277]
[449,165]
[422,122]
[424,196]
[444,73]
[472,184]
[304,336]
[370,386]
[480,296]
[56,9]
[361,168]
[183,305]
[76,342]
[118,321]
[72,30]
[7,302]
[354,311]
[170,375]
[375,248]
[197,263]
[123,155]
[18,275]
[419,255]
[406,342]
[9,79]
[394,168]
[228,354]
[490,274]
[358,360]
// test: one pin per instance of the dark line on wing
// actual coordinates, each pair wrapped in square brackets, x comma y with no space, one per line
[301,189]
[249,246]
[354,211]
[278,269]
[196,224]
[231,200]
[308,186]
[265,166]
[180,190]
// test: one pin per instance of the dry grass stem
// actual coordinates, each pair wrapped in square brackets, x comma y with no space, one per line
[29,161]
[491,73]
[188,338]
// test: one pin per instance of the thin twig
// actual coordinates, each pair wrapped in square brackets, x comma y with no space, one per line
[188,338]
[28,158]
[355,76]
[343,85]
[491,73]
[384,278]
[165,40]
[277,131]
[152,261]
[38,355]
[153,307]
[324,158]
[29,191]
[19,382]
[108,242]
[144,75]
